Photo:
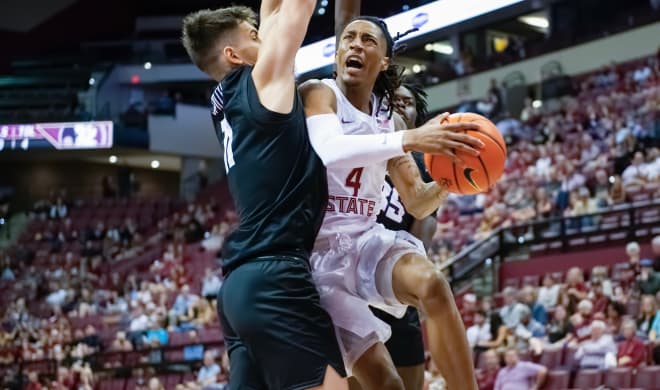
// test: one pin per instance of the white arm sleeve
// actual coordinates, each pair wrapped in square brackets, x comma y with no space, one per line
[340,150]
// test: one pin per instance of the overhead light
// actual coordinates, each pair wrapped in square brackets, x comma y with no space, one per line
[440,47]
[324,3]
[92,81]
[155,164]
[147,65]
[112,159]
[537,103]
[321,11]
[443,48]
[535,21]
[417,68]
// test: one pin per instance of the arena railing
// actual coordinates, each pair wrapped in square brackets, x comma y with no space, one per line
[619,224]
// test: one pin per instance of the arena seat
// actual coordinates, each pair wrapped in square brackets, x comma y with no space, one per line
[588,379]
[551,358]
[112,384]
[569,361]
[557,380]
[618,377]
[647,378]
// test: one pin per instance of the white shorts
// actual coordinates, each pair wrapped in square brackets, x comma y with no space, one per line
[353,271]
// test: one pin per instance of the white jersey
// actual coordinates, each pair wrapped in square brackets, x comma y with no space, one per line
[355,193]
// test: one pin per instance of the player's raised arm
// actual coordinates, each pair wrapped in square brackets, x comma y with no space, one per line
[337,149]
[268,9]
[345,11]
[273,72]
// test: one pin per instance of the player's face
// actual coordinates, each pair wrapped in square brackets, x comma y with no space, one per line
[361,53]
[405,105]
[244,48]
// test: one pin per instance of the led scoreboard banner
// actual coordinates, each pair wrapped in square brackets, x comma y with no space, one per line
[60,136]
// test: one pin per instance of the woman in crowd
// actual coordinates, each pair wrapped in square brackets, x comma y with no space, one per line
[647,313]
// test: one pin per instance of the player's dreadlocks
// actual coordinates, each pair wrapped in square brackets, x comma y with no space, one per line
[421,105]
[389,80]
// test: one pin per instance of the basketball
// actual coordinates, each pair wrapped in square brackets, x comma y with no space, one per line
[481,172]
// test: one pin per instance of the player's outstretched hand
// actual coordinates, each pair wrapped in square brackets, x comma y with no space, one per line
[436,138]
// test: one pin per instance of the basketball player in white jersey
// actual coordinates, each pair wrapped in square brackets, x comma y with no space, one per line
[357,262]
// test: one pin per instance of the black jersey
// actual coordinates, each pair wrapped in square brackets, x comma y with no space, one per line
[276,179]
[392,214]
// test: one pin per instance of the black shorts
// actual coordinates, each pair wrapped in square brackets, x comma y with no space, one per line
[276,332]
[406,346]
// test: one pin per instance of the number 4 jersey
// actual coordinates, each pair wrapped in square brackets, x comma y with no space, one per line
[354,194]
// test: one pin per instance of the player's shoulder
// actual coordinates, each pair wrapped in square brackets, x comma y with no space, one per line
[317,93]
[314,86]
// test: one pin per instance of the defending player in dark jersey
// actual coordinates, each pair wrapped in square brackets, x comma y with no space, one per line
[276,333]
[406,345]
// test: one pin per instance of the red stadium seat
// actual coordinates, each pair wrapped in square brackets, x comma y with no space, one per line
[512,282]
[531,280]
[569,361]
[647,378]
[618,377]
[112,384]
[588,379]
[551,358]
[557,380]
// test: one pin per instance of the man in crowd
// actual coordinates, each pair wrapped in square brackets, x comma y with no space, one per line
[519,375]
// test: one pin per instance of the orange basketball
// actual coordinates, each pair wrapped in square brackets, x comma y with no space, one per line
[481,172]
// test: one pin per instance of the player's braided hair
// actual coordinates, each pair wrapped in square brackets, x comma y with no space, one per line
[421,105]
[389,80]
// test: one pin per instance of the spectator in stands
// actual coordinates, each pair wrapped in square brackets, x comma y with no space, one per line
[635,173]
[519,375]
[618,192]
[33,381]
[655,246]
[581,321]
[648,281]
[544,208]
[528,297]
[121,343]
[598,298]
[647,313]
[549,292]
[601,273]
[154,384]
[207,376]
[182,304]
[528,332]
[559,329]
[58,210]
[599,351]
[574,290]
[498,334]
[480,331]
[468,308]
[210,285]
[633,253]
[614,317]
[487,376]
[512,309]
[631,351]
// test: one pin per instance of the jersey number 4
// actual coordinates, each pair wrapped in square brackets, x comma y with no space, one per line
[353,180]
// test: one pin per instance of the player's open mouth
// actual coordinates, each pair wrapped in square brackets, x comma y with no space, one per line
[354,62]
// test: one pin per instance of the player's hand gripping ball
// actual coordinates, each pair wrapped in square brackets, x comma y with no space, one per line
[480,173]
